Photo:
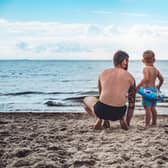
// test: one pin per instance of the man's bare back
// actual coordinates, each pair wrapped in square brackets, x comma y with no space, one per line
[115,83]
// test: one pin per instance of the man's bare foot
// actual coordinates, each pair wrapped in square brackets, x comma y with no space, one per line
[95,127]
[106,124]
[98,123]
[123,124]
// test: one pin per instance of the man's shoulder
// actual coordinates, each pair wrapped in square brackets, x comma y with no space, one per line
[129,75]
[106,71]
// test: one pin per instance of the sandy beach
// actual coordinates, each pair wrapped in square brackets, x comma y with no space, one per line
[62,140]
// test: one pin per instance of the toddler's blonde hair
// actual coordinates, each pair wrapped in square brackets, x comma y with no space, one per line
[149,56]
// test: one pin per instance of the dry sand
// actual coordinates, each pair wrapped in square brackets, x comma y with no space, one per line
[36,140]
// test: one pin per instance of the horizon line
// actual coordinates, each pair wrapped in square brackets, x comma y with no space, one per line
[72,59]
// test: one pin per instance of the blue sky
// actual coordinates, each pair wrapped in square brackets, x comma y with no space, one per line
[82,29]
[85,11]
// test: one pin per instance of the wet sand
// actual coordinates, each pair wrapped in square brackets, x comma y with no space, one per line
[63,140]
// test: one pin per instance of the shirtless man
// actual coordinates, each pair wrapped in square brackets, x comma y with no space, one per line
[150,75]
[114,85]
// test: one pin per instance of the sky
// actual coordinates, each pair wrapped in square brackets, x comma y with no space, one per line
[82,29]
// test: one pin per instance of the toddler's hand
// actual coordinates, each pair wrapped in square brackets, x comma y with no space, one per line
[158,87]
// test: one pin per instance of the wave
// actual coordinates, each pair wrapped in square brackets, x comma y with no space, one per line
[4,76]
[53,103]
[85,93]
[76,99]
[138,99]
[60,104]
[35,93]
[72,80]
[93,93]
[20,93]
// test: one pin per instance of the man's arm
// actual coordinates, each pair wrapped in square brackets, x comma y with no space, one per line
[131,102]
[99,87]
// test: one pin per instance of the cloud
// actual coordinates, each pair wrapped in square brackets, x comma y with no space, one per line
[2,21]
[94,30]
[22,45]
[54,40]
[63,47]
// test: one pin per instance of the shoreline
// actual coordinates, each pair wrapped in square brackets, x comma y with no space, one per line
[53,140]
[67,113]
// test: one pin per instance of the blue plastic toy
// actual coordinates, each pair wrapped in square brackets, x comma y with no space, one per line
[151,94]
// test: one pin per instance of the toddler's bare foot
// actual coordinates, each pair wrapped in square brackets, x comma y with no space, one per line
[153,124]
[146,126]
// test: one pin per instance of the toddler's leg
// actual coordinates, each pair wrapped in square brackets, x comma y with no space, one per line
[154,115]
[147,116]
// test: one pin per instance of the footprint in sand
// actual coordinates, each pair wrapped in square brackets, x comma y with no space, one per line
[79,163]
[23,152]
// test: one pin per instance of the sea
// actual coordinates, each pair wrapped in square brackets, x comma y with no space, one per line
[60,85]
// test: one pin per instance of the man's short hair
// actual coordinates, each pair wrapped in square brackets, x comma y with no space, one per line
[119,56]
[149,56]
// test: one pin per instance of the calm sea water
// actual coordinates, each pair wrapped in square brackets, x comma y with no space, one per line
[56,86]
